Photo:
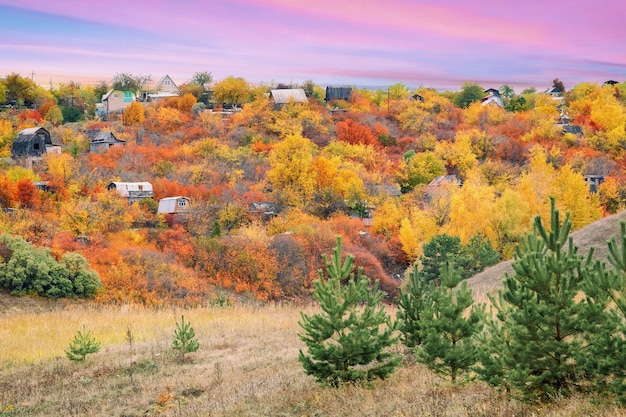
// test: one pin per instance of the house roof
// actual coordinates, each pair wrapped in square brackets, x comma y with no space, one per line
[174,198]
[106,96]
[491,100]
[27,134]
[577,130]
[282,96]
[492,91]
[104,137]
[162,80]
[146,186]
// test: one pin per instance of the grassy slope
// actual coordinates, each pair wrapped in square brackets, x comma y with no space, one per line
[246,366]
[596,234]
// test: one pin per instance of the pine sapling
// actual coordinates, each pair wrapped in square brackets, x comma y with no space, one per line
[83,344]
[185,340]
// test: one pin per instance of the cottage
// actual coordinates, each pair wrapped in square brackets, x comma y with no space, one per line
[33,142]
[133,191]
[164,88]
[492,98]
[338,93]
[115,101]
[280,97]
[101,141]
[174,205]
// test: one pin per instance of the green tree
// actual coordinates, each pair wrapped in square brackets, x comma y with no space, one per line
[203,79]
[349,340]
[605,292]
[126,81]
[449,347]
[470,93]
[185,340]
[83,344]
[536,345]
[414,299]
[101,89]
[440,250]
[19,89]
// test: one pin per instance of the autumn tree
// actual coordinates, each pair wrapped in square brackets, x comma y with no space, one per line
[126,81]
[133,114]
[355,133]
[290,170]
[232,90]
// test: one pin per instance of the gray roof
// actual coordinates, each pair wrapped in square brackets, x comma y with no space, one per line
[27,134]
[283,96]
[338,93]
[104,137]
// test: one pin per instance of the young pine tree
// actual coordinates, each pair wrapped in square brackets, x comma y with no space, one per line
[448,346]
[184,339]
[413,301]
[349,340]
[83,344]
[536,343]
[606,334]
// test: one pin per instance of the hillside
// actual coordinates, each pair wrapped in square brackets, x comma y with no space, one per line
[596,235]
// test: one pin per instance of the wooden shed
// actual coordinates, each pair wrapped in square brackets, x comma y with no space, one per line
[134,191]
[31,142]
[174,205]
[338,93]
[101,141]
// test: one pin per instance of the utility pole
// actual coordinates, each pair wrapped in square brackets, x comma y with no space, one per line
[32,76]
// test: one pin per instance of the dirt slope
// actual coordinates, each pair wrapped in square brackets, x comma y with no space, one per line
[596,234]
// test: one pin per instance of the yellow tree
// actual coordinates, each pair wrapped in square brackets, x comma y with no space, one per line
[459,153]
[6,137]
[133,114]
[290,173]
[416,230]
[471,207]
[186,102]
[232,90]
[573,195]
[387,218]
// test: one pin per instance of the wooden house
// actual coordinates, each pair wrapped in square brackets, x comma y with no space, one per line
[115,101]
[593,181]
[174,205]
[280,97]
[133,191]
[264,210]
[33,143]
[101,141]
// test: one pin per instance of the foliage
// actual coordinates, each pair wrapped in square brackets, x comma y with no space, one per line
[83,344]
[349,341]
[185,340]
[28,269]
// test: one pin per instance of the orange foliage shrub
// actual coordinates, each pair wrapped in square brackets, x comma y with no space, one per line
[8,192]
[355,133]
[25,115]
[27,193]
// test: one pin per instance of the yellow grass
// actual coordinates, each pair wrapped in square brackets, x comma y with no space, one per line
[246,366]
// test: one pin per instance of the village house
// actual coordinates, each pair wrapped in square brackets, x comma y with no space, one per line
[133,191]
[174,205]
[115,101]
[101,141]
[492,98]
[164,88]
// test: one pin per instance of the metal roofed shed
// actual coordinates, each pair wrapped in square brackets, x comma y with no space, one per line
[171,205]
[31,142]
[284,96]
[134,191]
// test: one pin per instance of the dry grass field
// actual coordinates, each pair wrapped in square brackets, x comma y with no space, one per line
[246,366]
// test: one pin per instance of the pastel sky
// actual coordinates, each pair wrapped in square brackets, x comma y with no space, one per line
[374,43]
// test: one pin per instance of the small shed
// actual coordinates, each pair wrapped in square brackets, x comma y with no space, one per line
[31,142]
[174,205]
[286,95]
[265,210]
[338,93]
[133,191]
[101,141]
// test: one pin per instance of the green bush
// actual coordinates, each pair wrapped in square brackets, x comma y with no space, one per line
[27,269]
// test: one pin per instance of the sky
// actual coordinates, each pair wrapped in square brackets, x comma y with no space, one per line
[366,43]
